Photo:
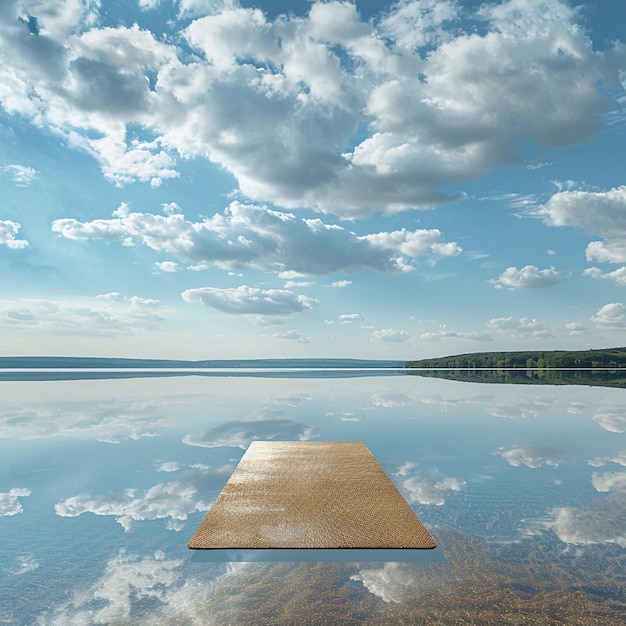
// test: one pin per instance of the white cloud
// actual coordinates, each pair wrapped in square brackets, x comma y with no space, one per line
[575,328]
[349,318]
[9,503]
[251,301]
[518,327]
[247,236]
[528,277]
[167,266]
[283,104]
[597,213]
[611,315]
[618,275]
[292,335]
[532,456]
[390,335]
[290,284]
[108,314]
[21,175]
[194,8]
[417,24]
[148,5]
[444,333]
[173,501]
[8,231]
[340,284]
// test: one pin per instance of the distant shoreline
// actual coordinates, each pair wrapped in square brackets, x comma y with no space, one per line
[112,363]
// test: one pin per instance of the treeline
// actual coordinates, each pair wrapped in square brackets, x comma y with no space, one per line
[593,377]
[608,358]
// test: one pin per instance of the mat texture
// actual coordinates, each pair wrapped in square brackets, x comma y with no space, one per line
[295,494]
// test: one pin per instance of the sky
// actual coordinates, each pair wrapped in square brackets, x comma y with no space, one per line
[202,179]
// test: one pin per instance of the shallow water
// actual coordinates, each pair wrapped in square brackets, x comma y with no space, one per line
[102,483]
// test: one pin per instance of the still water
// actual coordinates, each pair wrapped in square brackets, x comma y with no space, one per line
[103,482]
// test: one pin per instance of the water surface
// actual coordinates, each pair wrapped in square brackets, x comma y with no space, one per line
[102,483]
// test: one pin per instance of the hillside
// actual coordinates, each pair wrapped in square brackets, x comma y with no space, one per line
[607,358]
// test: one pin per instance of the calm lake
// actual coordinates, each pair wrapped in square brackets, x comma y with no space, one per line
[103,482]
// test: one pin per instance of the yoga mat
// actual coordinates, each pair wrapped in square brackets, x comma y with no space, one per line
[303,494]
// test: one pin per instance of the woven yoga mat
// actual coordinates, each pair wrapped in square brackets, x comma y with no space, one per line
[294,494]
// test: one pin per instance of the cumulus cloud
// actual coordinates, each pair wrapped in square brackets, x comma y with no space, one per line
[349,318]
[8,231]
[240,433]
[326,110]
[390,335]
[528,277]
[250,236]
[340,284]
[173,501]
[251,301]
[575,328]
[167,266]
[611,315]
[106,314]
[618,275]
[292,335]
[597,213]
[444,333]
[9,502]
[532,456]
[21,175]
[518,327]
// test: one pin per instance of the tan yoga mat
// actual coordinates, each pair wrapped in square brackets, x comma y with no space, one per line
[303,494]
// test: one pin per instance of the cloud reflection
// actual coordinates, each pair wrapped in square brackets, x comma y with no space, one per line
[601,521]
[9,503]
[532,456]
[613,421]
[239,433]
[174,500]
[111,599]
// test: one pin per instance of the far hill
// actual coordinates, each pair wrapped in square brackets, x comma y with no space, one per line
[73,362]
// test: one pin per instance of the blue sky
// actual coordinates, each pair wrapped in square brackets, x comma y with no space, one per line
[214,179]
